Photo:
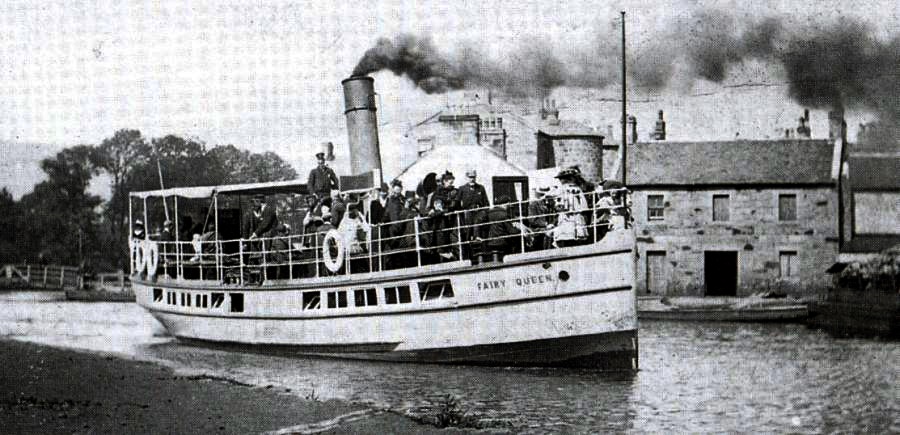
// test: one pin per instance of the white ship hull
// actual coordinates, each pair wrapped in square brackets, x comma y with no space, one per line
[563,307]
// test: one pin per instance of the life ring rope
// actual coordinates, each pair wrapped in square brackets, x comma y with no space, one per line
[151,257]
[332,264]
[137,256]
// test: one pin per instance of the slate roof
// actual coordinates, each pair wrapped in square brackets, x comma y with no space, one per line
[743,162]
[458,159]
[568,127]
[875,172]
[867,243]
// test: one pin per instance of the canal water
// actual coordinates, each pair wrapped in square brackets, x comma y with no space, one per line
[694,377]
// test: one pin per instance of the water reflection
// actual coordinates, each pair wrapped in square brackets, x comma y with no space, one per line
[695,377]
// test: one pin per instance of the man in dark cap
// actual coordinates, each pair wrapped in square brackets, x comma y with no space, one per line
[322,179]
[444,200]
[394,205]
[378,205]
[472,195]
[268,220]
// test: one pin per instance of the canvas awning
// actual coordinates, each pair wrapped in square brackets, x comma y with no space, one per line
[273,187]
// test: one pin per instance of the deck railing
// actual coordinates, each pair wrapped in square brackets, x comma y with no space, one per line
[459,236]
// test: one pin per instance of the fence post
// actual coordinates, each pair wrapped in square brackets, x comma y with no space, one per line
[121,280]
[62,276]
[199,257]
[290,258]
[521,228]
[380,260]
[45,277]
[241,260]
[459,240]
[418,248]
[265,265]
[595,223]
[316,252]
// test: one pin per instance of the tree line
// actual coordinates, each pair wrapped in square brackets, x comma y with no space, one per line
[60,222]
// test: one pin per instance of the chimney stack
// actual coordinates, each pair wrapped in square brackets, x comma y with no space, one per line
[553,114]
[659,132]
[837,127]
[328,149]
[632,123]
[362,125]
[803,130]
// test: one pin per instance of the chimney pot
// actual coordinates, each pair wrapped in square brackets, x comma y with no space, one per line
[837,127]
[632,121]
[803,131]
[659,132]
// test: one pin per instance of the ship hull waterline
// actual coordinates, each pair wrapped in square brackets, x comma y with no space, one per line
[570,311]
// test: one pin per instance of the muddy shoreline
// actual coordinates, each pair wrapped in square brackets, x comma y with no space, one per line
[51,390]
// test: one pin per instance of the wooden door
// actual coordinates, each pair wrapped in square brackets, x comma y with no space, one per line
[656,273]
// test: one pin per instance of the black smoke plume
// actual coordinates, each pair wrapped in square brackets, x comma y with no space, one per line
[530,69]
[835,65]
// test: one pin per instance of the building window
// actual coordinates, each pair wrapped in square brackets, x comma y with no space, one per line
[499,122]
[655,207]
[425,145]
[397,295]
[788,260]
[365,297]
[787,207]
[157,295]
[721,208]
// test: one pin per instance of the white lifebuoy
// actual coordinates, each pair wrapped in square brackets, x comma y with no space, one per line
[151,257]
[137,257]
[332,264]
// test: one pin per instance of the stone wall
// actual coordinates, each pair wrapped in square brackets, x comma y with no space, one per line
[585,152]
[754,231]
[876,212]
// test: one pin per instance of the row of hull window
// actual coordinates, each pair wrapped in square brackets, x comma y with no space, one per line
[200,300]
[434,290]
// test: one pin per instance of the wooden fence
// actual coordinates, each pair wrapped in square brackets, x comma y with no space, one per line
[114,282]
[55,277]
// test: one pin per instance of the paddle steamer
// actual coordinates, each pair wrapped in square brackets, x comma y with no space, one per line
[571,306]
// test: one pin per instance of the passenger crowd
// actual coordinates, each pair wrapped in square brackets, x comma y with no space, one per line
[451,222]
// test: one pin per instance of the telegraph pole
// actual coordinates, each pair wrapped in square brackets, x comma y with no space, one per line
[622,154]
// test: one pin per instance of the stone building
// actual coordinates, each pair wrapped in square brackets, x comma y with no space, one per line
[564,143]
[735,217]
[497,128]
[871,193]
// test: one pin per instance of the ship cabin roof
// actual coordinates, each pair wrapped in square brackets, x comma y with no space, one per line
[349,184]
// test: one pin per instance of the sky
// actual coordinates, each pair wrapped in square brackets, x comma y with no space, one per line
[265,76]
